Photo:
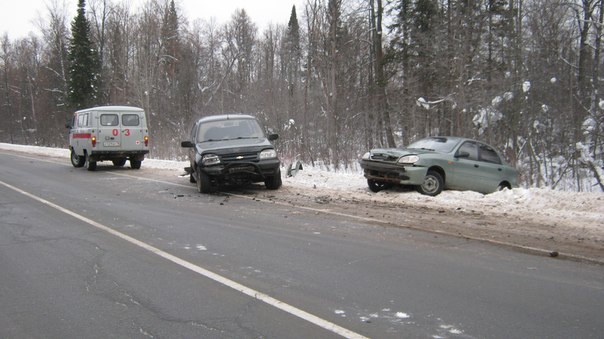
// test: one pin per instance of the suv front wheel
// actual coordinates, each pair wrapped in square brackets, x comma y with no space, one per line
[204,184]
[273,182]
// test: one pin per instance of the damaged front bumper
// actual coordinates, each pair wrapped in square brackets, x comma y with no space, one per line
[393,173]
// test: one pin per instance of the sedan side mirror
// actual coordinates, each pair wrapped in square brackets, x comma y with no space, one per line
[187,144]
[462,155]
[272,137]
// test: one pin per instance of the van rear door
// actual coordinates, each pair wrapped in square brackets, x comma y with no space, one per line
[109,136]
[133,132]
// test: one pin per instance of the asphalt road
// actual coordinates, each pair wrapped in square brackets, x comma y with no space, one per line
[135,254]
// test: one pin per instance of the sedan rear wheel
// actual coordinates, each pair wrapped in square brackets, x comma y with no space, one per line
[504,185]
[376,186]
[433,184]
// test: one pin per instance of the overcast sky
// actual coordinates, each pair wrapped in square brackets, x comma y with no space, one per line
[19,17]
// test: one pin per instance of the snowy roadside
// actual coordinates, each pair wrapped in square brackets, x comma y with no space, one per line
[579,214]
[581,210]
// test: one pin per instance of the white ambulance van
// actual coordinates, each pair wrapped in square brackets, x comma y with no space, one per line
[115,133]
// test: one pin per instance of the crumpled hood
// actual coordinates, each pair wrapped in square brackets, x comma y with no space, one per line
[395,153]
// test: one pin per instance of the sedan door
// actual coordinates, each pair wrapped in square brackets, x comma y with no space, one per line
[492,168]
[466,169]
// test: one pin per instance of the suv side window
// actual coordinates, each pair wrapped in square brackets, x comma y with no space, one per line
[487,154]
[193,131]
[471,148]
[109,120]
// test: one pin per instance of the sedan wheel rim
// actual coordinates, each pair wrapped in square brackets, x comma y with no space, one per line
[430,184]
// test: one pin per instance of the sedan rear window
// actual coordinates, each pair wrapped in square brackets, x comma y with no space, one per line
[488,154]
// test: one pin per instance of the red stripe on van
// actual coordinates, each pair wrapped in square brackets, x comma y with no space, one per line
[81,135]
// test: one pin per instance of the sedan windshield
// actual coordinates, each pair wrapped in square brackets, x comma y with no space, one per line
[438,144]
[229,129]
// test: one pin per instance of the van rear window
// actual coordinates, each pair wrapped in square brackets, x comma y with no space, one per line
[130,120]
[109,120]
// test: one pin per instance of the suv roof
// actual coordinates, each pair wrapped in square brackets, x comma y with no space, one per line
[225,117]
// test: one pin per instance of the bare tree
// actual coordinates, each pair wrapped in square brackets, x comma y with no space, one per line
[381,82]
[6,106]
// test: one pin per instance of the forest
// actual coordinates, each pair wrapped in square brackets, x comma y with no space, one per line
[341,77]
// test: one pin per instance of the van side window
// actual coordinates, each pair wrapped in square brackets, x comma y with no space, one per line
[82,120]
[109,120]
[130,120]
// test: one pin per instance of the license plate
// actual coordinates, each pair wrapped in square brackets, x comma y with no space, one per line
[241,169]
[111,143]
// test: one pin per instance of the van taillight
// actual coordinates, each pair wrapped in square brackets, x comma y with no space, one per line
[93,139]
[146,140]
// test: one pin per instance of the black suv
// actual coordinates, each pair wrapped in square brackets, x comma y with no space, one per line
[231,149]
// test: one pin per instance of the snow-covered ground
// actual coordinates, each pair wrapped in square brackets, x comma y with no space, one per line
[585,210]
[572,209]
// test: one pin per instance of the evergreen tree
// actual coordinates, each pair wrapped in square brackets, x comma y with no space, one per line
[170,41]
[293,51]
[83,60]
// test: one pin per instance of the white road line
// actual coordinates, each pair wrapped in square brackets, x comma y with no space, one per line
[530,249]
[202,271]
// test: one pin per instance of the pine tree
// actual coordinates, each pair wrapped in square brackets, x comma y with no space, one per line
[83,59]
[293,51]
[170,41]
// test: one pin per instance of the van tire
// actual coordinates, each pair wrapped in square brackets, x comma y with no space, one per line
[135,164]
[119,162]
[90,165]
[77,160]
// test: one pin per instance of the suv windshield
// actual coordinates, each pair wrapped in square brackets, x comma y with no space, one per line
[438,144]
[229,129]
